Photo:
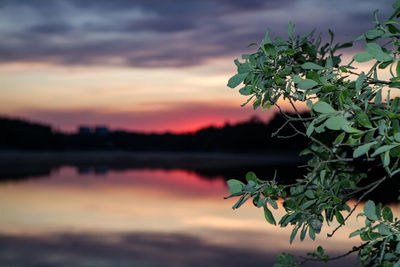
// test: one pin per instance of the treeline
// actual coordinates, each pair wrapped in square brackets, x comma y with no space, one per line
[250,136]
[24,135]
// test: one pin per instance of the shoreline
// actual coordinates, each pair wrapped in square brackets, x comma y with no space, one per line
[19,165]
[7,157]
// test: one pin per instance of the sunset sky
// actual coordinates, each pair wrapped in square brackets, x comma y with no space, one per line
[147,65]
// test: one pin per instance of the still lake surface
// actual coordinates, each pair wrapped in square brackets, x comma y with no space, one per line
[141,217]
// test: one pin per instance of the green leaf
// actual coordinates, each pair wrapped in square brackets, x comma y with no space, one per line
[253,44]
[345,45]
[293,234]
[272,203]
[363,57]
[311,66]
[236,80]
[361,150]
[382,127]
[376,16]
[250,186]
[383,57]
[267,39]
[383,229]
[373,49]
[329,64]
[323,107]
[348,129]
[397,137]
[308,204]
[311,233]
[398,69]
[247,101]
[306,84]
[303,232]
[235,186]
[370,210]
[378,97]
[339,217]
[386,159]
[268,216]
[256,103]
[383,149]
[247,90]
[309,103]
[310,129]
[360,81]
[339,138]
[244,67]
[383,65]
[372,34]
[251,176]
[387,214]
[270,50]
[310,194]
[259,202]
[296,78]
[336,123]
[241,201]
[356,233]
[290,30]
[331,34]
[398,248]
[363,119]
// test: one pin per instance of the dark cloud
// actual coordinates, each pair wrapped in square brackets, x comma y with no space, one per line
[55,28]
[159,24]
[180,7]
[163,33]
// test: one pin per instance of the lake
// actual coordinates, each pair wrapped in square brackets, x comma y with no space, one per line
[100,216]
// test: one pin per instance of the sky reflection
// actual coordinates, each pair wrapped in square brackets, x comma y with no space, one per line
[179,208]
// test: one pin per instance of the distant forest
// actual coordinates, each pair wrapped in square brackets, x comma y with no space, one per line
[253,136]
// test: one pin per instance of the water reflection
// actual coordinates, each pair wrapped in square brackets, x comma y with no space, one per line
[140,249]
[150,217]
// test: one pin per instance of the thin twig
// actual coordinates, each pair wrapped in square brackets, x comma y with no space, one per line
[371,79]
[355,249]
[286,123]
[297,112]
[316,141]
[287,136]
[358,202]
[283,113]
[280,128]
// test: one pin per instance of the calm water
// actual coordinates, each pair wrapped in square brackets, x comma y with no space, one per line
[136,217]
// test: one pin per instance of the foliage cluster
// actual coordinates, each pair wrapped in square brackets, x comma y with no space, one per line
[354,118]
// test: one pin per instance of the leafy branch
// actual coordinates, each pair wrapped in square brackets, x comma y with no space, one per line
[349,123]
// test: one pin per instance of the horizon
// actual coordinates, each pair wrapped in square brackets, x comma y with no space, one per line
[253,118]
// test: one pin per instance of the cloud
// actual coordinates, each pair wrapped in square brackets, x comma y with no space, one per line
[159,33]
[48,29]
